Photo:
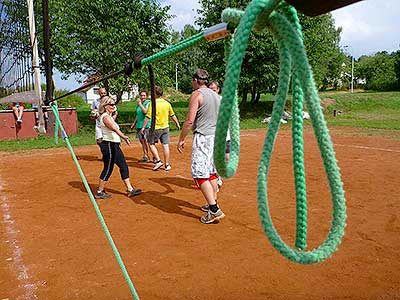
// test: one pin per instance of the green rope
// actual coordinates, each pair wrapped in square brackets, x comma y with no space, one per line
[193,40]
[96,207]
[57,125]
[297,146]
[291,50]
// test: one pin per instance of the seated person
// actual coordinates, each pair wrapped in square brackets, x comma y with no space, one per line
[18,109]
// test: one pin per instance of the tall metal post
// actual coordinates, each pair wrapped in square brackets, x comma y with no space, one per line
[176,77]
[352,73]
[35,65]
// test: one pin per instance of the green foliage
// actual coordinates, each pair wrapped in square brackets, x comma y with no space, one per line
[187,61]
[73,100]
[260,66]
[381,71]
[321,40]
[100,37]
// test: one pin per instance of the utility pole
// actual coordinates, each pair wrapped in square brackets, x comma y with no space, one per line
[176,77]
[352,73]
[35,65]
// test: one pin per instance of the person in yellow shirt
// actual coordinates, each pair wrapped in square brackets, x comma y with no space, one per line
[164,111]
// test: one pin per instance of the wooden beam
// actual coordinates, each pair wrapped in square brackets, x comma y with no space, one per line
[318,7]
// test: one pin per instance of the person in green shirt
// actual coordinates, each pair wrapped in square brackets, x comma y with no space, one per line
[141,110]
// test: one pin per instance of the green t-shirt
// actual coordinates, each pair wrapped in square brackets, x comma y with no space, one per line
[140,115]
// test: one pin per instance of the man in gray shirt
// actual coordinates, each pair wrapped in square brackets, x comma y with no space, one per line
[202,118]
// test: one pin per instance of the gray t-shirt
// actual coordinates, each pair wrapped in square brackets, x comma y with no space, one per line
[207,114]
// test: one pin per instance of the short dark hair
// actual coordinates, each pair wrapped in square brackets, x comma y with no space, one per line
[213,82]
[158,91]
[201,76]
[144,91]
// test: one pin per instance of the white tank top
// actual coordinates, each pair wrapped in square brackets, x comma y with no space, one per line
[108,134]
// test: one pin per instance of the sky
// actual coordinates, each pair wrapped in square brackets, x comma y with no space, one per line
[368,26]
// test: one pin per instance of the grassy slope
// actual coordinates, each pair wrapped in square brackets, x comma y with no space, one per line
[360,109]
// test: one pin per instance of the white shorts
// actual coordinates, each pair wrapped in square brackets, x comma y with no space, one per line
[203,156]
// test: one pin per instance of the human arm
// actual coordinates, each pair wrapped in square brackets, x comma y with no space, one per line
[143,108]
[176,121]
[145,122]
[194,104]
[110,124]
[134,123]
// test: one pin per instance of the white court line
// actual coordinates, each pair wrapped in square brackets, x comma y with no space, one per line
[368,148]
[16,263]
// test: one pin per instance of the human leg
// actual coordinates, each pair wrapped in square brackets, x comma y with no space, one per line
[20,112]
[143,143]
[166,156]
[164,139]
[204,174]
[120,161]
[108,152]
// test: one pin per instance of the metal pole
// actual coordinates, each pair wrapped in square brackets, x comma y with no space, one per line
[35,65]
[352,73]
[176,77]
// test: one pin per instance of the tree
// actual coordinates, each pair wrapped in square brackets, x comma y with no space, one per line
[187,61]
[260,66]
[321,40]
[256,77]
[98,36]
[378,71]
[396,56]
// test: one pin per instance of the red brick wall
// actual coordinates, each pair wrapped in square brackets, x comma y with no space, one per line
[10,131]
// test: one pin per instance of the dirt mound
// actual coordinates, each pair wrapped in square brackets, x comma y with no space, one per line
[327,102]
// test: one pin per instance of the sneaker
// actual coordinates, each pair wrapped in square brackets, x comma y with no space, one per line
[145,159]
[134,192]
[157,165]
[168,167]
[205,207]
[101,195]
[211,217]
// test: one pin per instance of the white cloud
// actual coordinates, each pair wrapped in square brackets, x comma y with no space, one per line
[185,12]
[370,26]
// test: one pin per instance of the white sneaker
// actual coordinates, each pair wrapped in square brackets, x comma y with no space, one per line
[157,165]
[167,167]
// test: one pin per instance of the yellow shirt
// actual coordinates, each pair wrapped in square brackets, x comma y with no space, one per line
[163,112]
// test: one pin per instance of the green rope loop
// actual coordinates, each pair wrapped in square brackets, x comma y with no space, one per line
[96,207]
[291,49]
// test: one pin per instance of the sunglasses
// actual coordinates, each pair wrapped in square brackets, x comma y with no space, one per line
[111,104]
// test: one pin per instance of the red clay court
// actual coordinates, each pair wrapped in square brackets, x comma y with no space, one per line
[53,247]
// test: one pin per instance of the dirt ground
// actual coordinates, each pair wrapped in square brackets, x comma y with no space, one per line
[52,245]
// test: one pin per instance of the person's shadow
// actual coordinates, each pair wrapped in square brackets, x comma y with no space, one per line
[167,183]
[156,199]
[80,186]
[166,204]
[88,157]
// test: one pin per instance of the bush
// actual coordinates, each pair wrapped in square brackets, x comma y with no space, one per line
[73,100]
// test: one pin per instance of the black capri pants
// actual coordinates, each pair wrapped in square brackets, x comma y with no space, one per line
[112,154]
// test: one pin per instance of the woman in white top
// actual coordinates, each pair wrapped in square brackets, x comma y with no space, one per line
[110,148]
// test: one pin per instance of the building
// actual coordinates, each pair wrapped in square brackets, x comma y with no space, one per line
[91,94]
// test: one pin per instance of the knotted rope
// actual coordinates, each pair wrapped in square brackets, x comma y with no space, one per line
[284,24]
